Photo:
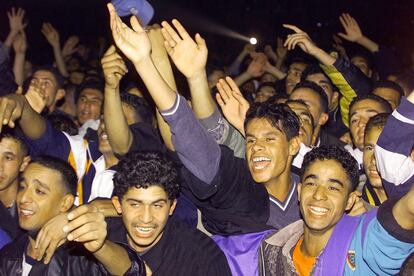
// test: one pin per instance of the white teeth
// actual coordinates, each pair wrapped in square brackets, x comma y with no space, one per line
[27,212]
[318,210]
[260,159]
[144,229]
[104,136]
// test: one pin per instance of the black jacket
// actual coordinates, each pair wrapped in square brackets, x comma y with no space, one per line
[9,222]
[69,259]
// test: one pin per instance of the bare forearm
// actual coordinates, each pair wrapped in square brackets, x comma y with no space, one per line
[32,123]
[201,99]
[110,252]
[324,57]
[163,96]
[403,211]
[9,40]
[368,44]
[242,78]
[119,134]
[106,207]
[18,68]
[276,72]
[165,131]
[60,62]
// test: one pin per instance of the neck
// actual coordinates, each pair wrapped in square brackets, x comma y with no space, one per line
[382,196]
[280,186]
[315,136]
[8,196]
[31,248]
[314,241]
[110,160]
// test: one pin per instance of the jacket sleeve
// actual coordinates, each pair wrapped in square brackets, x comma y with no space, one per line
[393,149]
[350,81]
[7,83]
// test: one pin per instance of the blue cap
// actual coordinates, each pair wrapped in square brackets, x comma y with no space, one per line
[140,8]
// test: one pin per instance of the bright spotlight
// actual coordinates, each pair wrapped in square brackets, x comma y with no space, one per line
[253,41]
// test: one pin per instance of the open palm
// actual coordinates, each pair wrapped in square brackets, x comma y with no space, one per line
[188,55]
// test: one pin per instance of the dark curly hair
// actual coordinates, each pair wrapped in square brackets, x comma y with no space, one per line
[145,169]
[279,116]
[323,98]
[340,155]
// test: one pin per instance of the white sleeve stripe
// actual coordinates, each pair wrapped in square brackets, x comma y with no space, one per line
[402,118]
[393,167]
[175,107]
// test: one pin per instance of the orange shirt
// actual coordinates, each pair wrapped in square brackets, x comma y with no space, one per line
[303,264]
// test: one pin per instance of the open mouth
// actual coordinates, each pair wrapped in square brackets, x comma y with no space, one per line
[25,213]
[318,211]
[144,232]
[260,163]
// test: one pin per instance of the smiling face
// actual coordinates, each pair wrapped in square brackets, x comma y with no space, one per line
[145,213]
[268,152]
[89,105]
[40,197]
[358,118]
[324,195]
[370,165]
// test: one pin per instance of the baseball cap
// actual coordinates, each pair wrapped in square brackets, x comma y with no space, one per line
[140,8]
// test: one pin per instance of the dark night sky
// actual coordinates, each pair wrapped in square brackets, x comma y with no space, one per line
[388,22]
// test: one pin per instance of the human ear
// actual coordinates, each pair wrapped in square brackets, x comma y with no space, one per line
[117,204]
[67,203]
[25,162]
[172,208]
[294,146]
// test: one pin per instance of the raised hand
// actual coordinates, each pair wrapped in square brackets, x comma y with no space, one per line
[270,53]
[281,50]
[114,68]
[16,20]
[188,55]
[70,46]
[87,225]
[51,34]
[11,109]
[256,67]
[20,43]
[36,95]
[134,43]
[232,103]
[301,39]
[353,32]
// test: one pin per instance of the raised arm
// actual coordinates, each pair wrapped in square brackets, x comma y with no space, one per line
[190,57]
[52,36]
[19,47]
[394,148]
[203,155]
[119,134]
[255,69]
[353,33]
[234,68]
[16,18]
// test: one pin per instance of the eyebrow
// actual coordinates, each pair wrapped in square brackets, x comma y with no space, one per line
[264,134]
[131,200]
[366,111]
[332,180]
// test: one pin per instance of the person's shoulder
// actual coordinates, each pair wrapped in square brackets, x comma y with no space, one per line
[14,249]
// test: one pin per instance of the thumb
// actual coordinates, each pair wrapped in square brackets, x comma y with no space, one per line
[135,24]
[200,41]
[344,36]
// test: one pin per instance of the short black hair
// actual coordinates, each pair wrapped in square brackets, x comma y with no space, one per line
[89,84]
[60,80]
[340,155]
[362,53]
[386,105]
[67,173]
[323,98]
[299,101]
[314,69]
[17,135]
[142,109]
[388,84]
[377,121]
[279,116]
[145,169]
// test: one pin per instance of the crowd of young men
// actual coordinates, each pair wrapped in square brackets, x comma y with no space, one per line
[303,169]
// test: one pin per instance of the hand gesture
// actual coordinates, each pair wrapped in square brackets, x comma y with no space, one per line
[249,48]
[70,46]
[50,237]
[270,53]
[36,96]
[16,20]
[134,43]
[51,34]
[301,39]
[256,66]
[281,50]
[87,225]
[337,45]
[353,32]
[188,55]
[232,103]
[113,67]
[20,43]
[11,108]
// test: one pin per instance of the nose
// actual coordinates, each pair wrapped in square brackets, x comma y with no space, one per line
[319,193]
[146,215]
[25,196]
[258,145]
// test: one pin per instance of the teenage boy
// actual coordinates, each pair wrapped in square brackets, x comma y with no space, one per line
[328,242]
[47,188]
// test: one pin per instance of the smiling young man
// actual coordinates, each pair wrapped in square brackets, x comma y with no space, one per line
[47,188]
[328,242]
[145,194]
